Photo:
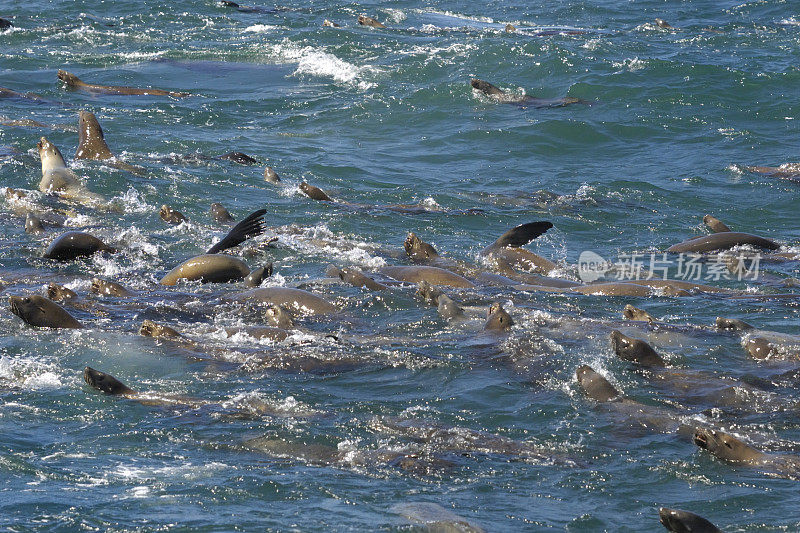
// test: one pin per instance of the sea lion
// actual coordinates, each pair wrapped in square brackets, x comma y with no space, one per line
[59,293]
[722,241]
[106,383]
[419,250]
[295,299]
[251,226]
[255,277]
[9,93]
[38,311]
[596,386]
[497,319]
[158,331]
[715,224]
[506,254]
[510,28]
[220,214]
[270,176]
[109,288]
[633,313]
[787,171]
[732,324]
[433,275]
[208,268]
[91,141]
[446,307]
[521,100]
[74,244]
[356,278]
[315,193]
[635,350]
[239,157]
[33,224]
[678,521]
[434,517]
[5,24]
[626,289]
[369,21]
[329,24]
[759,348]
[171,216]
[74,82]
[57,178]
[661,23]
[278,317]
[729,448]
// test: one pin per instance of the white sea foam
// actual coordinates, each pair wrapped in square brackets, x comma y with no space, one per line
[312,61]
[259,28]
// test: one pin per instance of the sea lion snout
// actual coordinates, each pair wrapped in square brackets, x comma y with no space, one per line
[701,438]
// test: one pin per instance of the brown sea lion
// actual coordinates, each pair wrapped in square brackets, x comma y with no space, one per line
[729,448]
[74,82]
[732,324]
[278,317]
[506,252]
[171,216]
[255,277]
[596,386]
[59,293]
[33,224]
[521,100]
[433,275]
[106,383]
[251,226]
[678,521]
[315,193]
[270,176]
[715,224]
[510,28]
[633,313]
[722,241]
[787,170]
[295,299]
[497,319]
[91,141]
[158,331]
[109,288]
[220,214]
[635,350]
[760,348]
[446,307]
[38,311]
[208,268]
[661,23]
[329,24]
[9,93]
[432,517]
[356,278]
[621,289]
[369,21]
[74,244]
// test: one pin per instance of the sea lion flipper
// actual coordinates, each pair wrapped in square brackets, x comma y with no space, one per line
[523,234]
[249,227]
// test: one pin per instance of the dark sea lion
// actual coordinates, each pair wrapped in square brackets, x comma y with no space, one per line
[446,307]
[525,100]
[633,313]
[106,383]
[38,311]
[74,244]
[251,226]
[635,350]
[356,278]
[109,288]
[158,331]
[255,277]
[5,24]
[239,157]
[497,319]
[208,268]
[59,293]
[315,193]
[722,241]
[729,448]
[715,224]
[759,348]
[506,251]
[596,386]
[74,82]
[369,21]
[787,171]
[678,287]
[419,250]
[678,521]
[33,224]
[277,316]
[294,299]
[220,214]
[171,216]
[433,275]
[91,142]
[732,324]
[328,23]
[270,176]
[661,23]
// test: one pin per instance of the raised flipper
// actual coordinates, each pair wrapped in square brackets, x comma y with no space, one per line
[249,227]
[522,234]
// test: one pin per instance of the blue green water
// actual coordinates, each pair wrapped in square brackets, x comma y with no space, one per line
[375,118]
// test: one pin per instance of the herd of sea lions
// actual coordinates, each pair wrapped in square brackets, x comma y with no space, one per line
[503,263]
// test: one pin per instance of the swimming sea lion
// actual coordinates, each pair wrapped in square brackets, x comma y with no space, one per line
[722,241]
[315,193]
[525,100]
[632,313]
[106,383]
[434,517]
[220,214]
[627,289]
[497,319]
[732,324]
[356,278]
[678,521]
[759,348]
[5,24]
[661,23]
[447,308]
[787,170]
[510,28]
[255,277]
[635,350]
[74,82]
[74,244]
[91,141]
[270,176]
[57,178]
[716,225]
[238,157]
[419,250]
[506,253]
[729,448]
[295,299]
[155,330]
[328,23]
[596,386]
[278,317]
[208,268]
[171,216]
[109,288]
[433,275]
[33,224]
[38,311]
[59,293]
[369,21]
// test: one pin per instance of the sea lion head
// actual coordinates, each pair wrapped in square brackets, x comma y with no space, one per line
[33,224]
[151,329]
[220,214]
[725,446]
[68,78]
[91,144]
[50,155]
[484,86]
[315,193]
[38,311]
[635,350]
[595,385]
[732,324]
[278,317]
[633,313]
[715,224]
[105,382]
[759,348]
[498,319]
[108,288]
[418,249]
[170,216]
[270,176]
[661,23]
[59,293]
[429,292]
[679,521]
[255,277]
[239,157]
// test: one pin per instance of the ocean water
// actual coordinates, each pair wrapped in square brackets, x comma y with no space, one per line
[385,406]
